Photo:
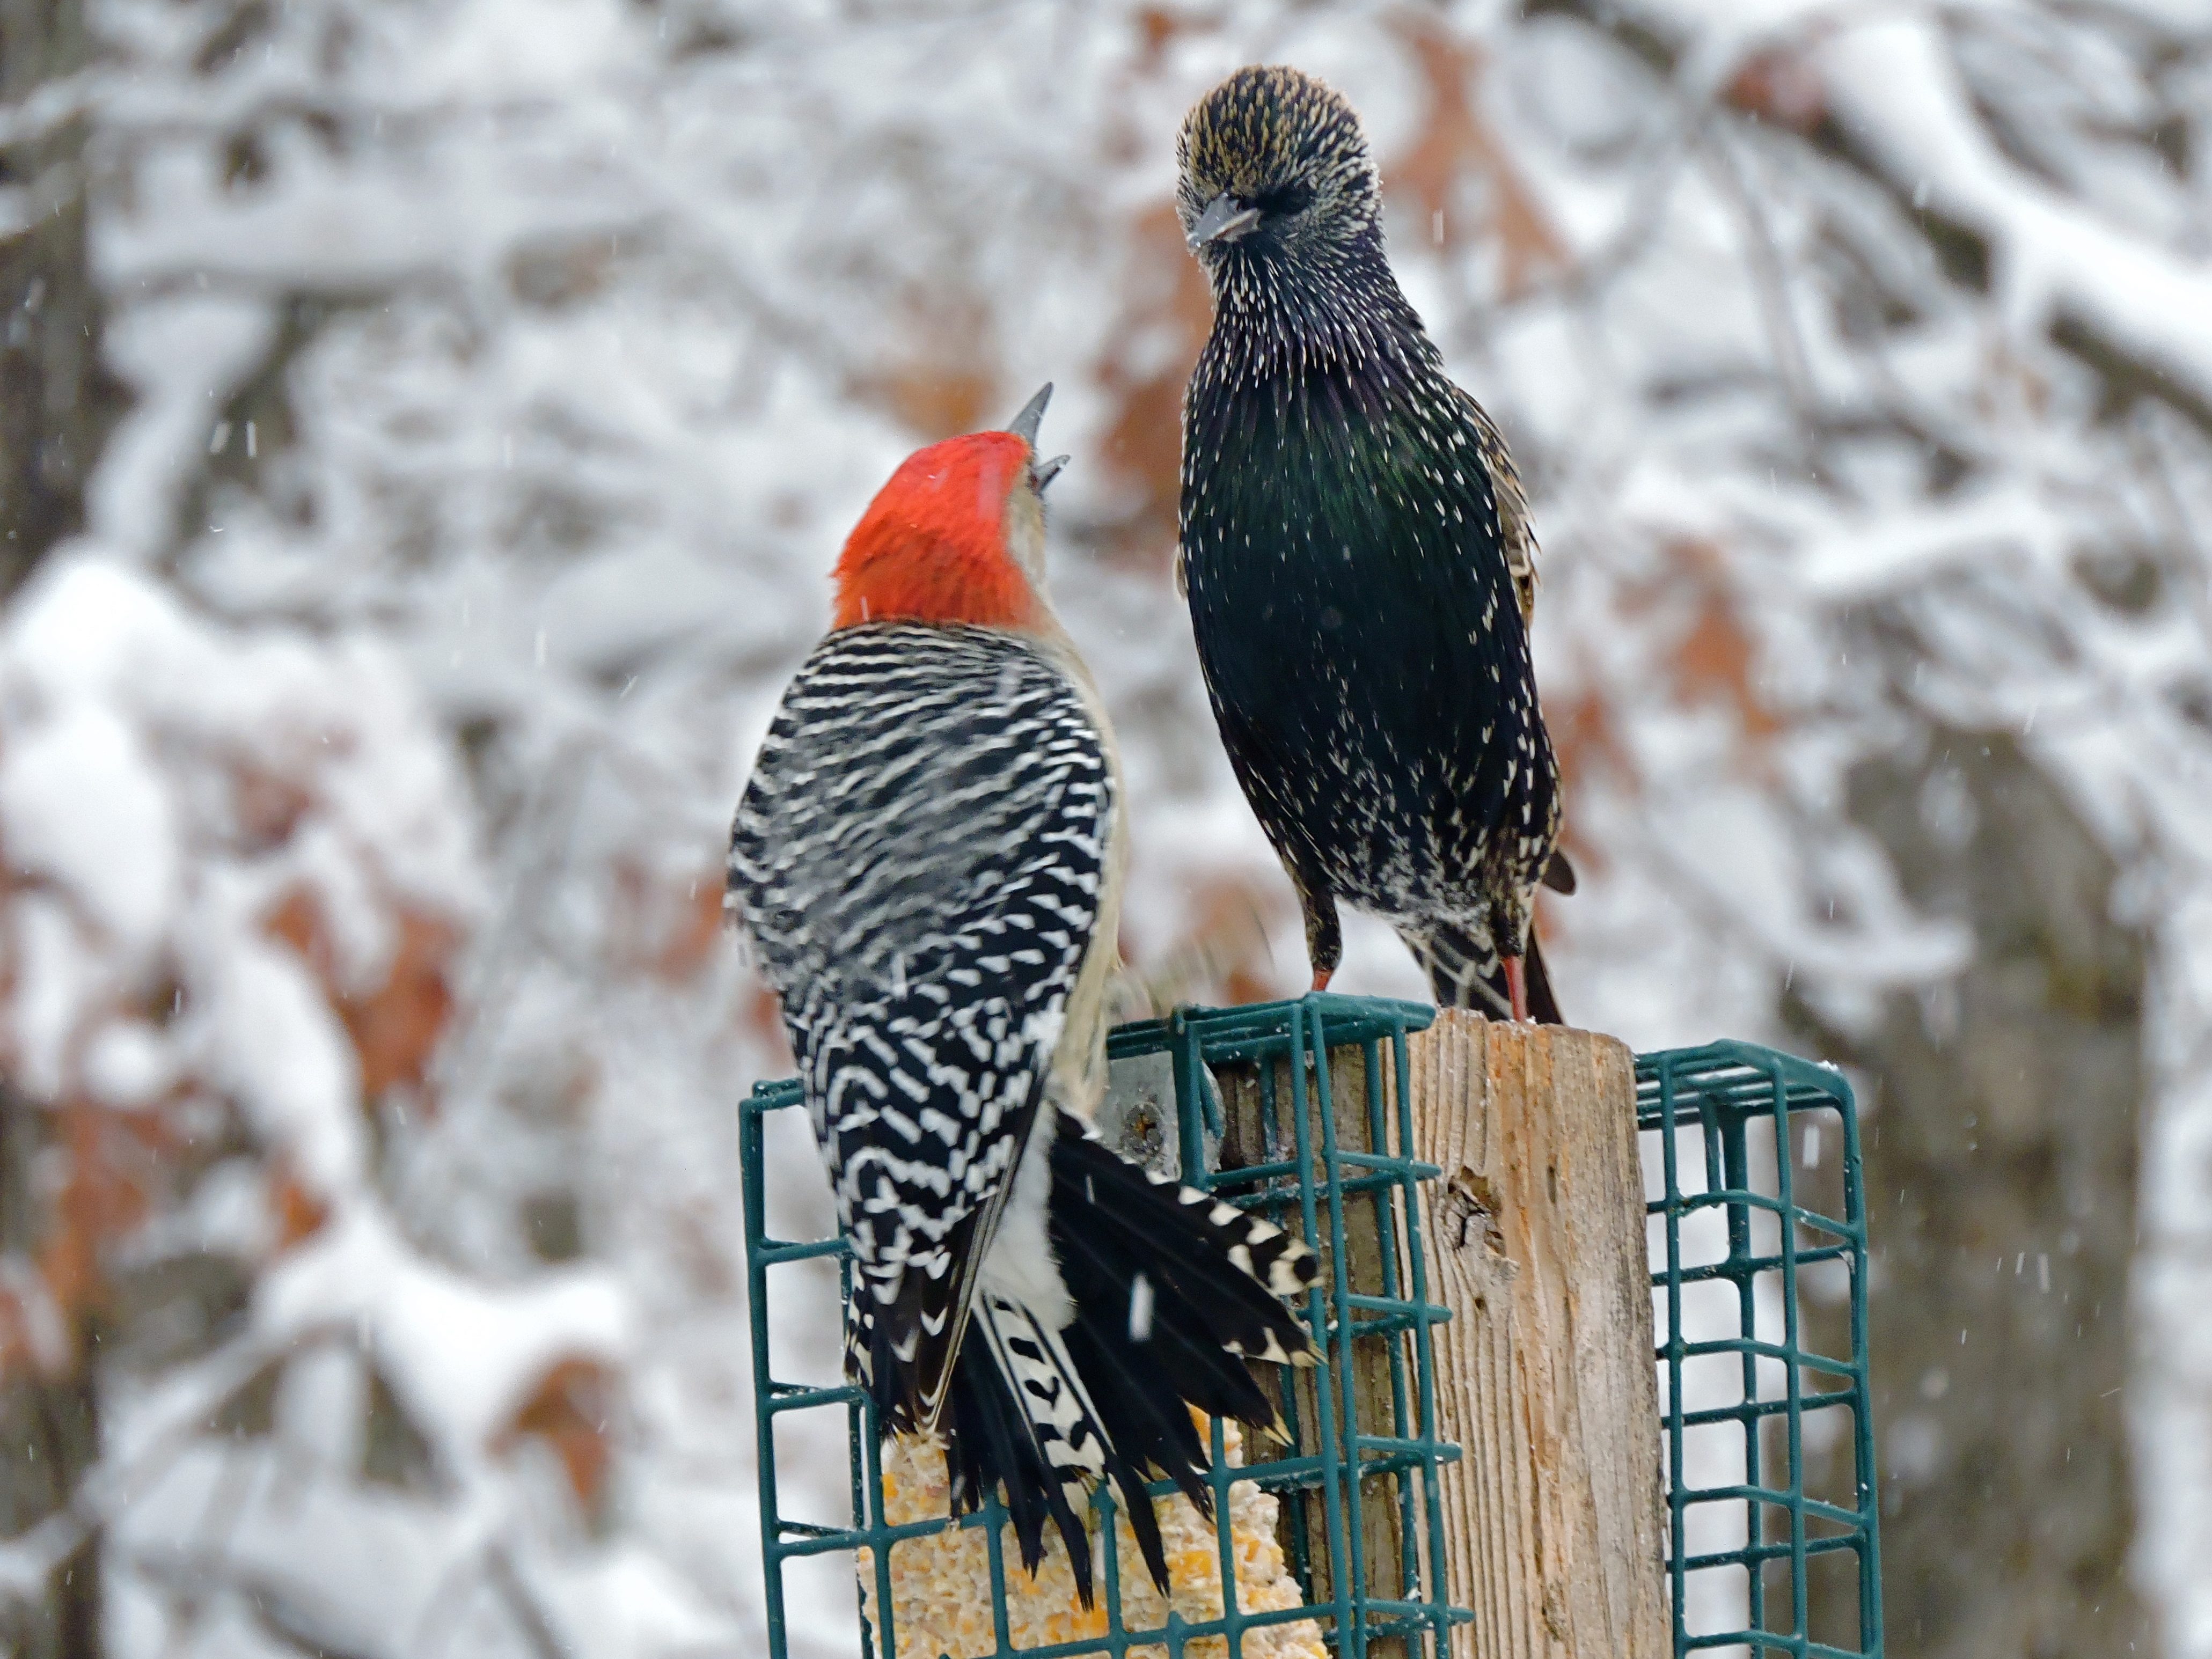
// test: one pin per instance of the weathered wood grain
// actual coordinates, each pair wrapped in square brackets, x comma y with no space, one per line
[1553,1520]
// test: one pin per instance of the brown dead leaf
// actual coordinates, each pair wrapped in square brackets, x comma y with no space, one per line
[1455,141]
[691,943]
[762,1015]
[16,1352]
[266,807]
[1157,27]
[568,1412]
[298,922]
[664,923]
[109,1162]
[1780,87]
[299,1211]
[1167,312]
[1716,659]
[945,381]
[935,401]
[1713,660]
[1223,957]
[396,1026]
[1586,740]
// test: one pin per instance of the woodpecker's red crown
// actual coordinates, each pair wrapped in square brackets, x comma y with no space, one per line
[956,536]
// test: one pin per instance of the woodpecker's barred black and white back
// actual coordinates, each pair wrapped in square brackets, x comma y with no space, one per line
[921,859]
[1356,551]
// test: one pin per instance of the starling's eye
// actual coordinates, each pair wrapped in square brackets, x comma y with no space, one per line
[1281,201]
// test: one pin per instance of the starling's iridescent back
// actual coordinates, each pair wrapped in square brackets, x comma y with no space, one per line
[1355,548]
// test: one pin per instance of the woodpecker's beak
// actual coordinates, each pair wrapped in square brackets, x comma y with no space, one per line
[1226,220]
[1024,426]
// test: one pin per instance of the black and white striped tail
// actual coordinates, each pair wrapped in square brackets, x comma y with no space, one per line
[1173,1291]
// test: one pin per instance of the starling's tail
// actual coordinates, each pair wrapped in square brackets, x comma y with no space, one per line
[1466,973]
[1543,1006]
[1172,1292]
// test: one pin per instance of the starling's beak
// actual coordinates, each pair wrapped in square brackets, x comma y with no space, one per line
[1226,220]
[1024,425]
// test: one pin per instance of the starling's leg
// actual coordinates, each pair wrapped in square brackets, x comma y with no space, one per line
[1324,937]
[1516,987]
[1324,942]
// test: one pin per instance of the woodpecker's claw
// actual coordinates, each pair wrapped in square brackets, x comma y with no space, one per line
[1024,425]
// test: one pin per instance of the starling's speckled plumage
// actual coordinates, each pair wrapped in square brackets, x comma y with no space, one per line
[1356,550]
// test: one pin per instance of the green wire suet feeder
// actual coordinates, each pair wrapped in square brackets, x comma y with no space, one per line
[1752,1157]
[1298,1110]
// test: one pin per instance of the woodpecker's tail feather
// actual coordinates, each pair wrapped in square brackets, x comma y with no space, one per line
[1021,1418]
[1172,1291]
[1017,1414]
[1466,973]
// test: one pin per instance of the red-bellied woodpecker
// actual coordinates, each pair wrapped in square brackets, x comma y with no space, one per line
[928,860]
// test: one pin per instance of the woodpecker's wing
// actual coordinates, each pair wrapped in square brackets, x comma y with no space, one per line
[919,860]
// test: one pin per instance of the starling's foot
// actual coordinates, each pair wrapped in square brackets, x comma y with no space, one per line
[1516,987]
[1324,938]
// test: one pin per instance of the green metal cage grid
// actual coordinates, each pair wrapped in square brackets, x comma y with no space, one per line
[1332,1465]
[1723,1128]
[1747,1216]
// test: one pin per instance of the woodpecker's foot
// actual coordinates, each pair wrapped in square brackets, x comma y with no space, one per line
[1516,987]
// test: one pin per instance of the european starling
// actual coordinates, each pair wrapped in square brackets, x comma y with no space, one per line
[1357,553]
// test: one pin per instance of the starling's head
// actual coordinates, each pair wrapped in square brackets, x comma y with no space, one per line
[956,536]
[1274,168]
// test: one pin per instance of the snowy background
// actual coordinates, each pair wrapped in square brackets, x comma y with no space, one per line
[428,431]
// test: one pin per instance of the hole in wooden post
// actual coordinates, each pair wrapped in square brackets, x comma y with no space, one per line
[1469,1213]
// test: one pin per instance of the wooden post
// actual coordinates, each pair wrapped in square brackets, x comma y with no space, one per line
[1544,1376]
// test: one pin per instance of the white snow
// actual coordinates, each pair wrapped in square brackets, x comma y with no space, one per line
[595,325]
[462,1356]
